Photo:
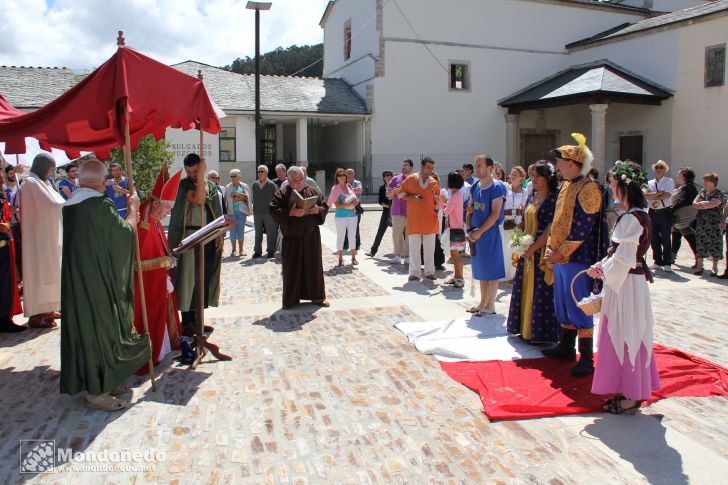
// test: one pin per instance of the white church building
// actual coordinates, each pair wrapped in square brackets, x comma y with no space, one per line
[642,79]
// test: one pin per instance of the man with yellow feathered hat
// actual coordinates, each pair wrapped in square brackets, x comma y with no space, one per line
[578,239]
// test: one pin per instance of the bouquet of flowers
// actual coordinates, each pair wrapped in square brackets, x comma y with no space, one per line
[520,242]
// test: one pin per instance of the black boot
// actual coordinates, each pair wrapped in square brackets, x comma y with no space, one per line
[565,349]
[585,366]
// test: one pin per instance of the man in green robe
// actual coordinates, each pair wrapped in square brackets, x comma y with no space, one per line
[99,346]
[193,194]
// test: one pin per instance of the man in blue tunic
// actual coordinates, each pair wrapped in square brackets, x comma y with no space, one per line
[578,240]
[485,214]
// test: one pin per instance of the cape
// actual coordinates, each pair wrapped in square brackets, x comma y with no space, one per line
[40,219]
[99,346]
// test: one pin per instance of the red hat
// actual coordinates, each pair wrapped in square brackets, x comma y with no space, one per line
[169,192]
[159,185]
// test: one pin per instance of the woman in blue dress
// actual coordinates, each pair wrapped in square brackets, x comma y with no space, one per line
[485,215]
[532,301]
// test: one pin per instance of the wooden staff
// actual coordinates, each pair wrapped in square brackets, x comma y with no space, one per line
[137,254]
[200,269]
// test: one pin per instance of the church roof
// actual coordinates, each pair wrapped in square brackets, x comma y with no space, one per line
[236,92]
[31,88]
[600,80]
[676,18]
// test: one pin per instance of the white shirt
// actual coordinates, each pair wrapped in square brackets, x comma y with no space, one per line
[665,184]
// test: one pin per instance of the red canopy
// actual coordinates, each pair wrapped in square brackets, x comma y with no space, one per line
[90,117]
[7,110]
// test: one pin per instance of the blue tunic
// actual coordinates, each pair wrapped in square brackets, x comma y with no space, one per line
[119,200]
[487,262]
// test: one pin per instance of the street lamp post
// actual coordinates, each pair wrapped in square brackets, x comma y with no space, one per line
[257,6]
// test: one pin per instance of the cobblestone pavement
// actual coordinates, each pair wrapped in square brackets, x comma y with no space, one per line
[337,396]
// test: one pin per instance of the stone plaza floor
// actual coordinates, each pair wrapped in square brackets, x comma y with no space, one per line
[338,396]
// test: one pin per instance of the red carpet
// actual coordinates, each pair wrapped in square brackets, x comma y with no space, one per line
[537,388]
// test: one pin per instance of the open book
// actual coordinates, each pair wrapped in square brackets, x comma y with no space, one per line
[205,234]
[300,202]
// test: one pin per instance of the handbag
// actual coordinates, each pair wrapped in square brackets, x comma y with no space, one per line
[457,235]
[683,217]
[359,209]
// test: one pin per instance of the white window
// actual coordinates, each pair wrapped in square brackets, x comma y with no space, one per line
[347,40]
[715,65]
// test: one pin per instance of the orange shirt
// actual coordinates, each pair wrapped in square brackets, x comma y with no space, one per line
[421,214]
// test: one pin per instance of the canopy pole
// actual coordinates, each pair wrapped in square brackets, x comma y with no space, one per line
[137,254]
[200,269]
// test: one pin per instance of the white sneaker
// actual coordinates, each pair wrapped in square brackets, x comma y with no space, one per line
[405,260]
[667,268]
[655,267]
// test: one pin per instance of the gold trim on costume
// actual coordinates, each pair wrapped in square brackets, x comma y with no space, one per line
[590,200]
[156,263]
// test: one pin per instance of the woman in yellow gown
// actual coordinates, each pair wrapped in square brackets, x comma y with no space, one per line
[531,312]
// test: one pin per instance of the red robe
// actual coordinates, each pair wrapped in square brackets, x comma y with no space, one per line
[161,305]
[16,308]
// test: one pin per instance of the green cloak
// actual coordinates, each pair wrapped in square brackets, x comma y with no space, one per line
[99,345]
[184,220]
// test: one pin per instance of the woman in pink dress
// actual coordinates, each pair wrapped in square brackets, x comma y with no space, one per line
[626,365]
[454,213]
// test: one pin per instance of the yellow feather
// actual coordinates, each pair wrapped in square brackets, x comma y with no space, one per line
[580,139]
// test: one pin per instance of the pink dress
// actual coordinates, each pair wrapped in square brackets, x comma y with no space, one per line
[454,212]
[625,360]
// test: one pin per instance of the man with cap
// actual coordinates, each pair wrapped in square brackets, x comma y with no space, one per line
[578,239]
[40,221]
[157,264]
[658,194]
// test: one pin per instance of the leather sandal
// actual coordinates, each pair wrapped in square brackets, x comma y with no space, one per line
[119,390]
[614,405]
[41,322]
[105,402]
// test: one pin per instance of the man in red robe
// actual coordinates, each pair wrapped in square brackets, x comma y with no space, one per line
[157,264]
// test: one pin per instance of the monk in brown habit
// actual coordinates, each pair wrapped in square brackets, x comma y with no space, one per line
[303,272]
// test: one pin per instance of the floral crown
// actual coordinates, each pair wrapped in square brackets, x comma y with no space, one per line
[630,173]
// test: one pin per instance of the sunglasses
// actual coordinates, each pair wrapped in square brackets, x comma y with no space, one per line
[659,168]
[261,171]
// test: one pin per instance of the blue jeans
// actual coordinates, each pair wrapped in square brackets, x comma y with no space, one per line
[237,233]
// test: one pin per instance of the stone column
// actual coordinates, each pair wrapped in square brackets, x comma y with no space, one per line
[598,142]
[279,141]
[513,140]
[302,142]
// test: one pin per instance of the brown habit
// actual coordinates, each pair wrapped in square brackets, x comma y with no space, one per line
[303,272]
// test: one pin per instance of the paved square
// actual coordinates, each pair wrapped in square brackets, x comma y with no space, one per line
[338,396]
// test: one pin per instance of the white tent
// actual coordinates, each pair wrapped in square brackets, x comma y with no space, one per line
[32,148]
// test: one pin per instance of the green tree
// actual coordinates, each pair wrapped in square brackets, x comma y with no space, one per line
[284,62]
[146,161]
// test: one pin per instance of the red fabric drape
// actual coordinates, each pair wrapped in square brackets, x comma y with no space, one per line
[7,110]
[89,116]
[537,388]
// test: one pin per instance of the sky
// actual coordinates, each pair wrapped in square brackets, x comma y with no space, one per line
[81,34]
